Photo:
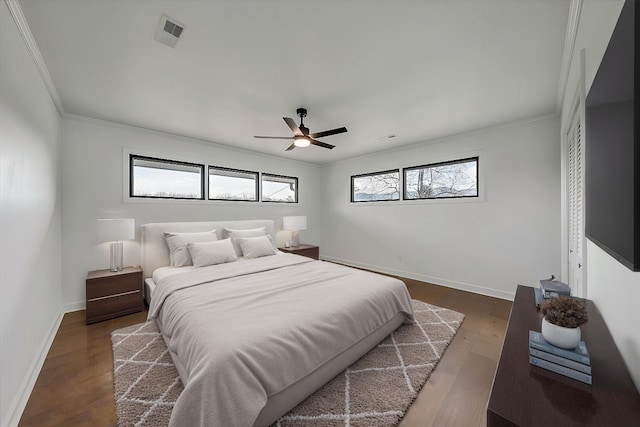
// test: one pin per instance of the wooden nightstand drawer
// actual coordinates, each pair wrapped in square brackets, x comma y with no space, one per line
[113,294]
[113,306]
[310,251]
[97,288]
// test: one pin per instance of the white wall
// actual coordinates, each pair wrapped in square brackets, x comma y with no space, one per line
[510,237]
[30,275]
[616,292]
[92,179]
[614,288]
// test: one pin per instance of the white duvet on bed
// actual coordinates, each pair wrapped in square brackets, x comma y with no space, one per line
[162,272]
[247,330]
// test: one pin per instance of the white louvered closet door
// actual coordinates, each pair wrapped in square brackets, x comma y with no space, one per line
[575,192]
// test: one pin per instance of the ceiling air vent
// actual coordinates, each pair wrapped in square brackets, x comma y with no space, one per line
[169,30]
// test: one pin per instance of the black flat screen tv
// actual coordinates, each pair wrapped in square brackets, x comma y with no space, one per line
[612,149]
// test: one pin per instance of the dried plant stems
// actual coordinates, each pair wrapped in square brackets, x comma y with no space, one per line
[564,311]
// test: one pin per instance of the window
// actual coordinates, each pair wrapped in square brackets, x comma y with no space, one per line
[453,179]
[232,184]
[277,188]
[377,186]
[165,179]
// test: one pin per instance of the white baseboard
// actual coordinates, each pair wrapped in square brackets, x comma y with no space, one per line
[74,306]
[26,387]
[424,278]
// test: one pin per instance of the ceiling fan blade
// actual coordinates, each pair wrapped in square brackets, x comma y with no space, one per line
[328,132]
[294,127]
[322,144]
[291,147]
[273,137]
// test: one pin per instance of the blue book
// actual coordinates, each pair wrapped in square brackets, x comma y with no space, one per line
[579,354]
[539,297]
[560,360]
[559,369]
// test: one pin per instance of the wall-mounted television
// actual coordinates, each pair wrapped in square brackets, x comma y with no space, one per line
[612,148]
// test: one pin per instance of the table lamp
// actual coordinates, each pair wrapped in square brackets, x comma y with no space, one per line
[115,231]
[294,224]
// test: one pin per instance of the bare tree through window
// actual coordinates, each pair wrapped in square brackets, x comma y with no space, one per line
[376,186]
[457,178]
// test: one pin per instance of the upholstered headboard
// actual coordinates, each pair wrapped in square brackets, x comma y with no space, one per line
[155,253]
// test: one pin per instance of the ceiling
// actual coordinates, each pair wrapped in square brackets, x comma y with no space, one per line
[418,70]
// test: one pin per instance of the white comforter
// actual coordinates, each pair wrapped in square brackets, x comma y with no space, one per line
[246,330]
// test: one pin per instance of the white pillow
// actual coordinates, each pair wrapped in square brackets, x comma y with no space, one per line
[177,243]
[212,253]
[255,247]
[249,232]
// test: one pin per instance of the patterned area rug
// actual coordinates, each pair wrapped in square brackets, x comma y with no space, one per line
[375,391]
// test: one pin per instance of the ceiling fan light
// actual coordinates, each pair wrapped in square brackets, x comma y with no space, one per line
[301,142]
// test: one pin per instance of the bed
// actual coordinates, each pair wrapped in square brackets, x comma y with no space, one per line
[254,337]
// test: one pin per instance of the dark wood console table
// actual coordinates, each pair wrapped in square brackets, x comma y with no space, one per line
[526,395]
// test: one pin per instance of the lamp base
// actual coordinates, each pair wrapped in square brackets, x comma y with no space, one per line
[295,238]
[116,256]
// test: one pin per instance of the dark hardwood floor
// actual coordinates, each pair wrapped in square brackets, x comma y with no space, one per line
[75,386]
[457,392]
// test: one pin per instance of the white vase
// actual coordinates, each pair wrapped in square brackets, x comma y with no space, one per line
[560,336]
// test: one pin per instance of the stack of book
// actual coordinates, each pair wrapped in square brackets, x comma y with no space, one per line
[574,363]
[550,288]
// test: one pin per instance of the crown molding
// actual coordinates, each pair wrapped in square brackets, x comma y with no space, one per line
[186,138]
[567,54]
[442,139]
[27,36]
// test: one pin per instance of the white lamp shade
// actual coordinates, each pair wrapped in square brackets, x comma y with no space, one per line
[294,223]
[113,230]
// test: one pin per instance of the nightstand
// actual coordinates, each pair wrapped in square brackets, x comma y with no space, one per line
[310,251]
[113,294]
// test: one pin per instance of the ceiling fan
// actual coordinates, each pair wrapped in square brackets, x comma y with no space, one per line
[301,136]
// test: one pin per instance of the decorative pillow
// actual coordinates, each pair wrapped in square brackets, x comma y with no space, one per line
[249,232]
[177,244]
[212,253]
[255,247]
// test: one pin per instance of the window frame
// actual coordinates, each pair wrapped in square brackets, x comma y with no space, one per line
[444,163]
[353,177]
[295,178]
[222,168]
[133,157]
